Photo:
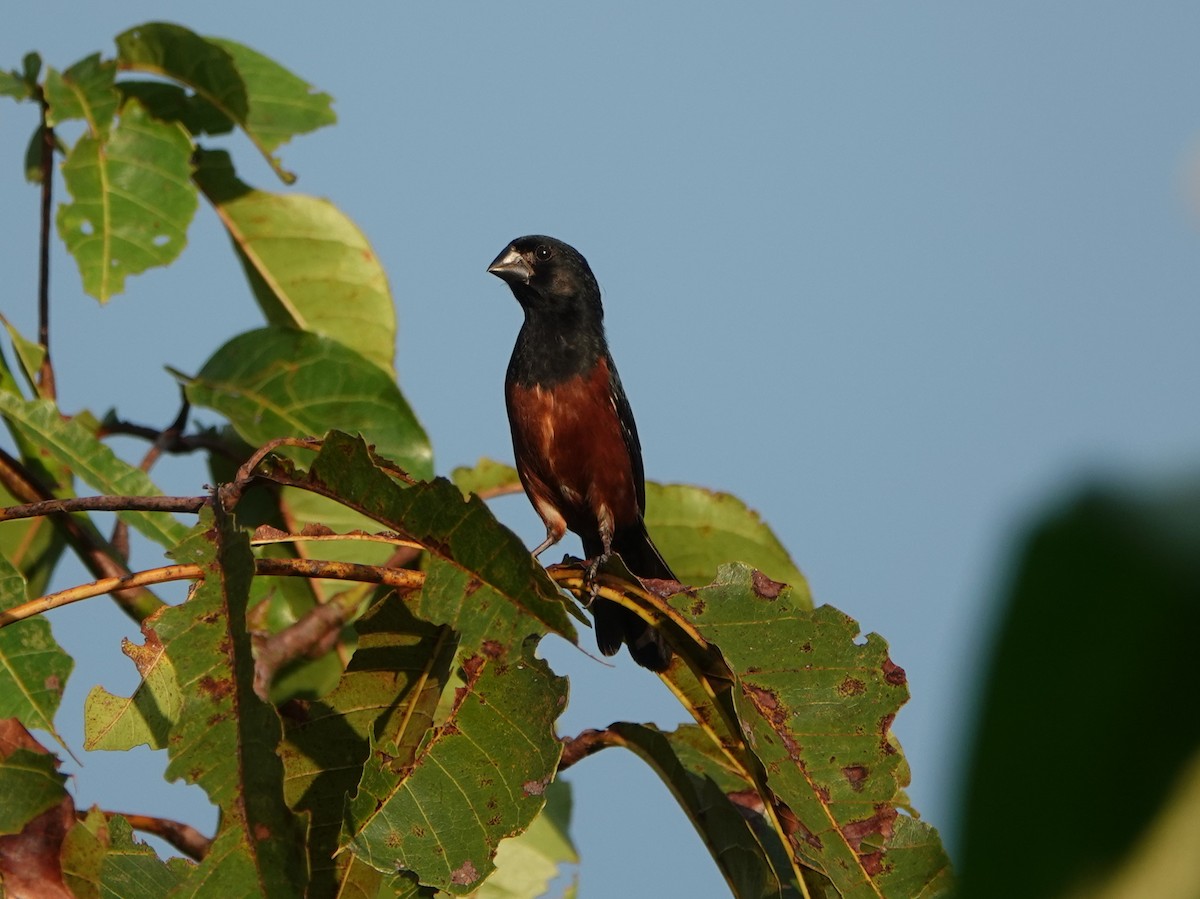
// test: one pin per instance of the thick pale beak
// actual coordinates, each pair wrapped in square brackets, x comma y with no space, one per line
[510,266]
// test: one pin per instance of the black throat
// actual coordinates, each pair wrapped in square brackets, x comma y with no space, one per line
[555,346]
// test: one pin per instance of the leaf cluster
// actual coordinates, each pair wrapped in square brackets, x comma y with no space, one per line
[354,678]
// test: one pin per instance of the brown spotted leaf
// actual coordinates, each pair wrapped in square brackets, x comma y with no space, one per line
[485,565]
[225,738]
[816,704]
[389,691]
[36,815]
[715,797]
[478,777]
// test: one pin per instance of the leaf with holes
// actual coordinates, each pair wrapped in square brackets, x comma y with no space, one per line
[527,864]
[225,737]
[817,705]
[132,200]
[145,718]
[481,565]
[266,101]
[84,91]
[390,689]
[479,776]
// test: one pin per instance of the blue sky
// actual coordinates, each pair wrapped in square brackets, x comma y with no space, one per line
[896,275]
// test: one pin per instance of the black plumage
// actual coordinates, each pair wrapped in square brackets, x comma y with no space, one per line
[574,438]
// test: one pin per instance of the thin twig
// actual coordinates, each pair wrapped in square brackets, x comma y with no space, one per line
[586,743]
[99,588]
[105,504]
[138,603]
[183,837]
[402,579]
[171,433]
[313,635]
[232,493]
[168,436]
[265,535]
[178,445]
[46,385]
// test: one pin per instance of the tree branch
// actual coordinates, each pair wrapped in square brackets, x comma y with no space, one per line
[46,385]
[171,433]
[183,837]
[99,588]
[137,602]
[105,504]
[586,743]
[169,441]
[401,579]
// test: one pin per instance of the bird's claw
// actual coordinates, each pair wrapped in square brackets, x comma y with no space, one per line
[590,572]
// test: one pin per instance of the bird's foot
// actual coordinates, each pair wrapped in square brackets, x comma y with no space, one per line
[590,573]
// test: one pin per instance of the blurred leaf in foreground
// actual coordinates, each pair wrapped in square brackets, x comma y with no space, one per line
[1088,736]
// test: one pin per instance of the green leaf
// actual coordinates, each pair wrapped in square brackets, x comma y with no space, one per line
[267,101]
[526,864]
[33,667]
[1087,723]
[175,52]
[389,691]
[486,477]
[33,155]
[698,530]
[225,738]
[29,778]
[279,382]
[32,545]
[481,565]
[443,815]
[71,443]
[171,103]
[29,354]
[817,705]
[116,722]
[132,870]
[11,85]
[84,91]
[754,863]
[481,581]
[31,67]
[309,266]
[83,854]
[133,200]
[281,104]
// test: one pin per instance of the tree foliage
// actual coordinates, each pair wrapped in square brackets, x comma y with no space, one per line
[354,678]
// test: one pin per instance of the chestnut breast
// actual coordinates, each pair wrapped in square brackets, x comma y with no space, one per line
[570,440]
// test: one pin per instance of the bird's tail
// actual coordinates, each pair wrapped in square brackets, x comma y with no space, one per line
[616,624]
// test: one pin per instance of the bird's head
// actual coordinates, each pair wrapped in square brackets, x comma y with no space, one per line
[548,276]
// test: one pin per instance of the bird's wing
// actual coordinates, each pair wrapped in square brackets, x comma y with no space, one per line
[628,431]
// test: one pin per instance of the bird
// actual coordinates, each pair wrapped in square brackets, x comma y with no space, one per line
[575,442]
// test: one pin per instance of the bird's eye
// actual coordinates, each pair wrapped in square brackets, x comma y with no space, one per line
[543,252]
